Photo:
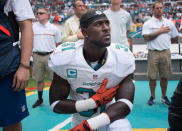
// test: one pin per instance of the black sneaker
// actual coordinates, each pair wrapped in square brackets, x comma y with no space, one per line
[151,101]
[37,103]
[165,101]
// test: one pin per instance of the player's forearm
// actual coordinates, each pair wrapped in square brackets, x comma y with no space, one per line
[125,97]
[26,41]
[58,93]
[64,107]
[117,111]
[71,106]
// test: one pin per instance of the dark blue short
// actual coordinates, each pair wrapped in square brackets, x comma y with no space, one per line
[13,106]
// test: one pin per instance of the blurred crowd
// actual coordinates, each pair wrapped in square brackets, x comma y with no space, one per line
[140,11]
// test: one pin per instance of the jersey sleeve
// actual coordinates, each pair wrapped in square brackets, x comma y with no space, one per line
[124,60]
[62,57]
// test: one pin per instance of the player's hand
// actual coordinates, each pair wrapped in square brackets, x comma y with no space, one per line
[82,127]
[104,95]
[20,80]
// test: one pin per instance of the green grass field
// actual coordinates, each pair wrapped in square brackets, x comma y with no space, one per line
[33,83]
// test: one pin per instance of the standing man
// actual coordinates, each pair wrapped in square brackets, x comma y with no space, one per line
[14,62]
[90,72]
[72,30]
[159,32]
[120,23]
[46,38]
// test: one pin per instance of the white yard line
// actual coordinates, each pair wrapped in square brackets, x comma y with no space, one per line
[61,125]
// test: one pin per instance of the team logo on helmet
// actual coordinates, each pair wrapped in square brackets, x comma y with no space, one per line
[98,12]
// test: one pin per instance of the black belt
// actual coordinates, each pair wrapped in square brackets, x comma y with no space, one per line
[159,50]
[43,53]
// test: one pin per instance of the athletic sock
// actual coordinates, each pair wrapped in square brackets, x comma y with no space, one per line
[40,95]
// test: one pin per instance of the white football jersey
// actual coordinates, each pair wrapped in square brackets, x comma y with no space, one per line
[68,62]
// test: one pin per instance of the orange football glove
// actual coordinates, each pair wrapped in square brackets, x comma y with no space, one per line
[82,127]
[104,95]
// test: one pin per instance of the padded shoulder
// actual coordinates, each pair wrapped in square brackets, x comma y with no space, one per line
[64,53]
[124,59]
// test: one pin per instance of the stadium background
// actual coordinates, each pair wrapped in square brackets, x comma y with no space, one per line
[143,117]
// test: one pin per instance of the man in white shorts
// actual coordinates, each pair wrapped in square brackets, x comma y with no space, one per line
[90,73]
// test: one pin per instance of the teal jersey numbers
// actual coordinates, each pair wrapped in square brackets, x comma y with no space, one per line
[68,46]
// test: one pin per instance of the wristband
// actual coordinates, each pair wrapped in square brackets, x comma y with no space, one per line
[99,121]
[85,105]
[127,102]
[24,66]
[54,104]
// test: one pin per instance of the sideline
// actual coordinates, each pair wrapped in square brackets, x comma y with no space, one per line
[34,92]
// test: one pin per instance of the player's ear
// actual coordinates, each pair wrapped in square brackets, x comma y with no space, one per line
[84,32]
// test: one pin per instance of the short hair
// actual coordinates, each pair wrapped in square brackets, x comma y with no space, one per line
[47,10]
[157,2]
[74,2]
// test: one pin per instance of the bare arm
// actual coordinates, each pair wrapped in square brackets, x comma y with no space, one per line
[60,90]
[174,40]
[26,41]
[120,110]
[152,36]
[21,77]
[60,104]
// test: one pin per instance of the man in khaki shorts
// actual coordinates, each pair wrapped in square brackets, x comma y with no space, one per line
[159,32]
[164,68]
[46,37]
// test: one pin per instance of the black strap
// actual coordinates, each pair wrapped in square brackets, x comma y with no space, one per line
[14,25]
[2,4]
